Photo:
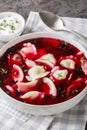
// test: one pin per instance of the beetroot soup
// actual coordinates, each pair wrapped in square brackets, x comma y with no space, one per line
[43,71]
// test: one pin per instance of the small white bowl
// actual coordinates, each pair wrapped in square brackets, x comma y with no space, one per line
[43,109]
[8,37]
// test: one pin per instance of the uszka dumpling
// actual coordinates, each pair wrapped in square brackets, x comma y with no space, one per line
[28,50]
[58,73]
[68,62]
[33,97]
[47,59]
[49,87]
[37,72]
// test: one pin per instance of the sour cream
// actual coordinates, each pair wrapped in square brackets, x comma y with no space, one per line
[9,25]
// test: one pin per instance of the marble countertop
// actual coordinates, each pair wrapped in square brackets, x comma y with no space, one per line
[71,8]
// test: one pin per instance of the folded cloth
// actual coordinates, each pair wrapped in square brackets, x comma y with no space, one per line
[35,24]
[73,119]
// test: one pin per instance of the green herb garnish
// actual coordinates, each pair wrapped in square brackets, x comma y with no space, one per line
[59,75]
[2,71]
[78,69]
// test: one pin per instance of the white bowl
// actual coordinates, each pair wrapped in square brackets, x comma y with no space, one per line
[42,109]
[8,37]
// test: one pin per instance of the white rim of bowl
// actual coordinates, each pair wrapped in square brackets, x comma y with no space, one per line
[40,35]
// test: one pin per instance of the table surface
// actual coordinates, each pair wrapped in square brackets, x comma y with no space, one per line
[71,8]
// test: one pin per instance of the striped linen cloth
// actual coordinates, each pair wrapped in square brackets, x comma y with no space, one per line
[73,119]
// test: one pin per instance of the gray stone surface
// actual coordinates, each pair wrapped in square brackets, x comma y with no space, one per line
[71,8]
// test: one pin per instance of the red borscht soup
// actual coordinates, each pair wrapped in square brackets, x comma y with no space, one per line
[43,71]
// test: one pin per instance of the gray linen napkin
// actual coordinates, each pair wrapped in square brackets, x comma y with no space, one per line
[35,24]
[73,119]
